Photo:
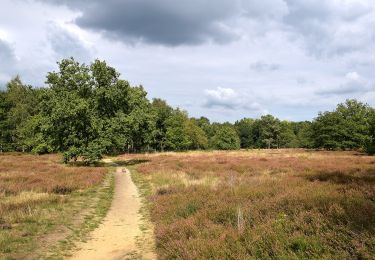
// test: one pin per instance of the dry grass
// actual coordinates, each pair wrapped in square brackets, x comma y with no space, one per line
[20,172]
[261,204]
[38,196]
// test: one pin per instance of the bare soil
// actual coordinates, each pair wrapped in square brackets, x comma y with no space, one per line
[117,236]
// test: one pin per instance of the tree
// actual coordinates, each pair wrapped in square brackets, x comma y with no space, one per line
[204,124]
[20,104]
[225,138]
[287,138]
[355,123]
[4,130]
[267,132]
[245,130]
[345,128]
[177,135]
[162,112]
[303,131]
[89,111]
[326,131]
[370,142]
[197,136]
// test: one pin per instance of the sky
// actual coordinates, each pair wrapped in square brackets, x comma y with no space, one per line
[222,59]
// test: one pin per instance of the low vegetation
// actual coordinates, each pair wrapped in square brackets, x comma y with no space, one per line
[288,204]
[45,204]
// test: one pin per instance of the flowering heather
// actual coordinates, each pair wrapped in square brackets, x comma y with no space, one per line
[292,204]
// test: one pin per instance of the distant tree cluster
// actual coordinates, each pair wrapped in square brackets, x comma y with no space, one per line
[87,111]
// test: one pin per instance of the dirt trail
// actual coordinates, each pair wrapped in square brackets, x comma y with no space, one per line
[116,237]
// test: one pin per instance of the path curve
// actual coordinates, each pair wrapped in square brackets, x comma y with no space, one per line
[116,236]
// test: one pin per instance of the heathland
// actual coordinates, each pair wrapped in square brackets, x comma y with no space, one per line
[281,204]
[46,205]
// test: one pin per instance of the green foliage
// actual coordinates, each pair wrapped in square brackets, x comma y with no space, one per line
[88,111]
[287,137]
[197,136]
[92,153]
[177,135]
[370,142]
[267,132]
[204,124]
[162,112]
[42,148]
[345,128]
[18,104]
[225,138]
[303,131]
[4,132]
[245,129]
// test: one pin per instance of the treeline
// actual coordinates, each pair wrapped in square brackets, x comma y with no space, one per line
[87,111]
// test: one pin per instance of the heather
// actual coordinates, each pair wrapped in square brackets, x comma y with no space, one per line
[261,204]
[44,204]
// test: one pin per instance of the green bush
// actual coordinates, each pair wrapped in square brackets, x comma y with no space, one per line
[92,153]
[42,149]
[370,148]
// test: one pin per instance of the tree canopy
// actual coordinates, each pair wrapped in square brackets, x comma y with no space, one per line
[86,111]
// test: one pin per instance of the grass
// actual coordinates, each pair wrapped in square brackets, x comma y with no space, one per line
[97,202]
[45,205]
[146,240]
[288,204]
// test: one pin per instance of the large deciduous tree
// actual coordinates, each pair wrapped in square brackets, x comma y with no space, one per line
[89,111]
[225,138]
[177,135]
[345,128]
[267,132]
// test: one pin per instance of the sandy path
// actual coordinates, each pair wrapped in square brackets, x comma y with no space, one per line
[116,237]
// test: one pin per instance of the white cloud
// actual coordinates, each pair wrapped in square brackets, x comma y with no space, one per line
[229,99]
[353,83]
[353,76]
[221,97]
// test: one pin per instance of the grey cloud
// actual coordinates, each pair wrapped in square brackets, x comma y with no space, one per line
[166,22]
[274,9]
[7,63]
[260,66]
[65,44]
[6,52]
[327,28]
[330,28]
[353,84]
[302,81]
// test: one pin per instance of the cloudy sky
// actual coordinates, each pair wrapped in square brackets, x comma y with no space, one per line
[223,59]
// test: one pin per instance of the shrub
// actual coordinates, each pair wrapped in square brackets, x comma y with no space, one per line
[370,148]
[42,149]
